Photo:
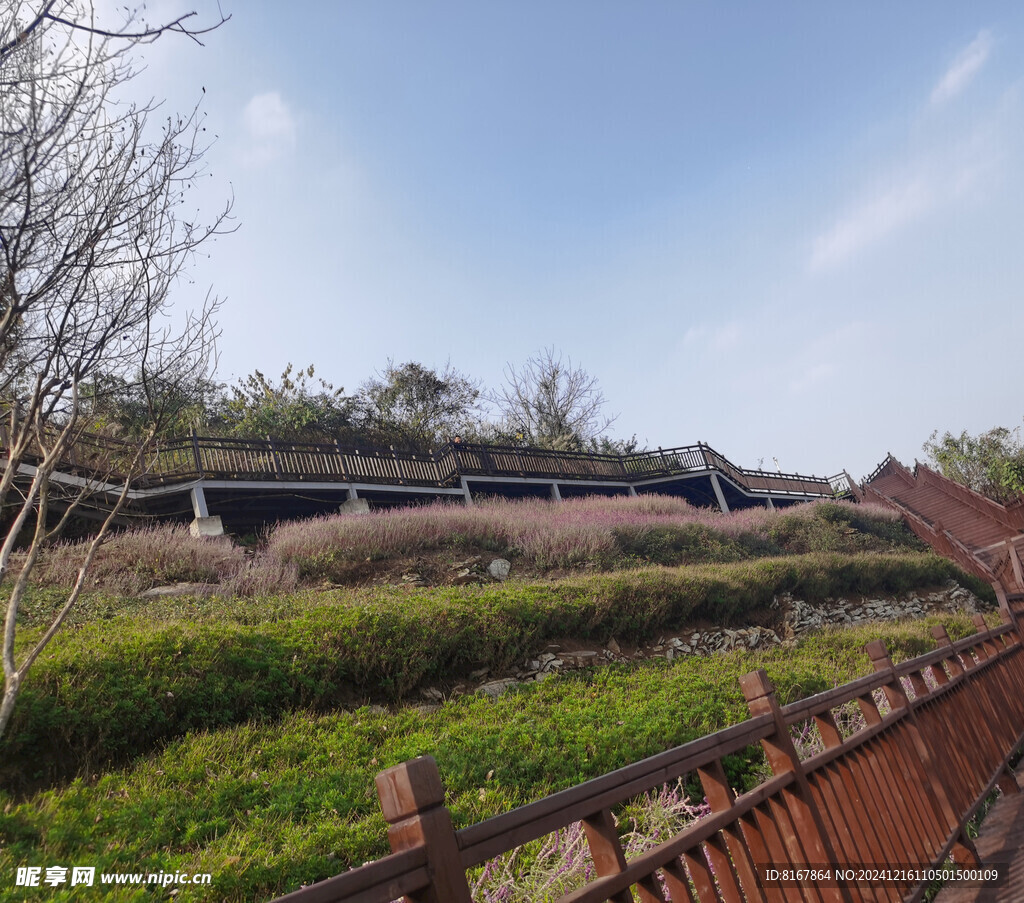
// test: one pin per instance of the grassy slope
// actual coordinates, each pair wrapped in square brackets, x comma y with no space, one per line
[209,733]
[266,807]
[116,688]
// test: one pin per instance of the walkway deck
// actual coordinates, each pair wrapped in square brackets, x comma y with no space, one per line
[248,482]
[1000,841]
[982,536]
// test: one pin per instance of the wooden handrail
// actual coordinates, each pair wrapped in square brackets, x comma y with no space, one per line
[198,457]
[895,794]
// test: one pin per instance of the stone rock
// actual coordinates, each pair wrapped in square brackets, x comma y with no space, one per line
[614,647]
[495,688]
[466,576]
[499,569]
[179,589]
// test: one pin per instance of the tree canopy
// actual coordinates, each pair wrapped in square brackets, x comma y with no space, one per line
[991,463]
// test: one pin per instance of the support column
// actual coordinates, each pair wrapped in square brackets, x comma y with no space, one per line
[353,504]
[203,524]
[199,508]
[632,492]
[556,495]
[722,503]
[770,504]
[466,494]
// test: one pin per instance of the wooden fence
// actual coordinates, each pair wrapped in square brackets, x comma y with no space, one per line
[890,799]
[204,457]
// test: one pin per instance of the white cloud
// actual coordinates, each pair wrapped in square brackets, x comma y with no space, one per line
[825,357]
[270,128]
[966,65]
[874,219]
[938,179]
[717,339]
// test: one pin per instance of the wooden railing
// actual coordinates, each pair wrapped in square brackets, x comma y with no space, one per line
[937,735]
[203,457]
[981,535]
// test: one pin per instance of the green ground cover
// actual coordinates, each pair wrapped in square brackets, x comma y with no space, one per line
[266,807]
[233,733]
[115,687]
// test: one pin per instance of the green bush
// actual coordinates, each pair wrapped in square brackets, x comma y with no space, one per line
[117,688]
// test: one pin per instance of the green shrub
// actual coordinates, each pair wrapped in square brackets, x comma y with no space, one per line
[117,688]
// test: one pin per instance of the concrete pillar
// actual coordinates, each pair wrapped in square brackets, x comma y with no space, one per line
[770,505]
[203,524]
[199,508]
[556,495]
[466,494]
[206,526]
[632,492]
[722,503]
[355,506]
[352,494]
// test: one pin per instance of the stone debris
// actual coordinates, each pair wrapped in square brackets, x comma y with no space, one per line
[494,688]
[465,576]
[180,589]
[499,569]
[796,616]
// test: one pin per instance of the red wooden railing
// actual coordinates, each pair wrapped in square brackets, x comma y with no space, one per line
[982,536]
[893,797]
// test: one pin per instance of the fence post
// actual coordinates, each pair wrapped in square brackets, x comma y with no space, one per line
[808,843]
[937,776]
[195,452]
[274,458]
[412,799]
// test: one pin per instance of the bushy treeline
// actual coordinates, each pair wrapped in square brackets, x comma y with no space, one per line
[547,403]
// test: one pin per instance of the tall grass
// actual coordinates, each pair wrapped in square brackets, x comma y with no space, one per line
[600,531]
[136,560]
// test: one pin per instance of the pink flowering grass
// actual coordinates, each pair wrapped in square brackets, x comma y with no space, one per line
[603,532]
[557,864]
[137,559]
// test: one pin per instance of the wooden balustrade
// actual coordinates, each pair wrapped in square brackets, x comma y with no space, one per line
[205,457]
[936,735]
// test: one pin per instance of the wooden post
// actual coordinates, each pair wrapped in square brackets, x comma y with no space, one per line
[412,799]
[809,842]
[606,851]
[195,452]
[963,849]
[274,458]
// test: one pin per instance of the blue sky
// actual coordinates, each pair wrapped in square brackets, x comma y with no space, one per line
[790,230]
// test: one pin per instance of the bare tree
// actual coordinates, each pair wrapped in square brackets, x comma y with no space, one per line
[551,403]
[92,238]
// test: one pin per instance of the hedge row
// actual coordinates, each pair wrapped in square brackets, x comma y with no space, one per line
[113,690]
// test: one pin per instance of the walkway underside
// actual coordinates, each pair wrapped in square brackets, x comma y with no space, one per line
[247,483]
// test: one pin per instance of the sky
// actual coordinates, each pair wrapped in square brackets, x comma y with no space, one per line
[790,230]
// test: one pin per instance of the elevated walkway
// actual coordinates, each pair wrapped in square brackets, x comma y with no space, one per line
[982,536]
[1000,844]
[250,482]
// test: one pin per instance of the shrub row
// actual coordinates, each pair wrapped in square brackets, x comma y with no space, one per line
[115,689]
